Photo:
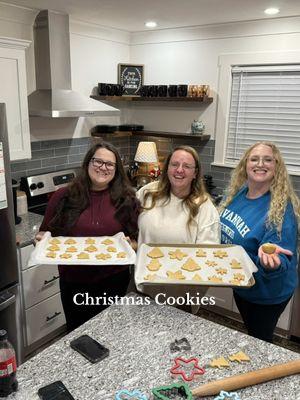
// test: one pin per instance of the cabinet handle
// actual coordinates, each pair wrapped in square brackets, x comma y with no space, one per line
[53,316]
[51,280]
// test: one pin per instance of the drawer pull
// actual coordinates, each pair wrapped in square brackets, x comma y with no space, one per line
[53,316]
[51,280]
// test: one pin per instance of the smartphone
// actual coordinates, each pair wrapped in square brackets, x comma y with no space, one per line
[89,348]
[55,391]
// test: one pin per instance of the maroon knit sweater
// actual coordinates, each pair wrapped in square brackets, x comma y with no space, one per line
[96,220]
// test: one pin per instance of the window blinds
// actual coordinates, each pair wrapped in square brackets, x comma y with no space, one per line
[265,105]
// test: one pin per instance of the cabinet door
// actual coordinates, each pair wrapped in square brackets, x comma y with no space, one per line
[39,282]
[14,94]
[44,318]
[223,297]
[24,255]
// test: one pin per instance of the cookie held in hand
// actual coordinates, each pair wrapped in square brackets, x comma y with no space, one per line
[269,248]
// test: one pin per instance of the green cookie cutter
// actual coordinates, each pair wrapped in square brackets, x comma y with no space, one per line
[162,392]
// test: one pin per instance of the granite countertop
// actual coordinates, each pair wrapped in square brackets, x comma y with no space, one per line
[138,337]
[26,230]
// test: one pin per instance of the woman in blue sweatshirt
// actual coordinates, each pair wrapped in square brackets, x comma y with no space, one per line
[262,207]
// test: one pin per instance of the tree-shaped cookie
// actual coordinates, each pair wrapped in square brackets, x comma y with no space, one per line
[191,265]
[155,253]
[220,362]
[201,253]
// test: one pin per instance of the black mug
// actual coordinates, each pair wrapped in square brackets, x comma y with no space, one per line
[172,90]
[182,90]
[162,90]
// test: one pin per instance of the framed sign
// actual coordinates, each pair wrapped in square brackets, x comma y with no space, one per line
[131,76]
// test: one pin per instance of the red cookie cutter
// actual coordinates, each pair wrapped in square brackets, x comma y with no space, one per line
[178,368]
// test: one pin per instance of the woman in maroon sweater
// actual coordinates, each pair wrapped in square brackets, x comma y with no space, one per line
[99,202]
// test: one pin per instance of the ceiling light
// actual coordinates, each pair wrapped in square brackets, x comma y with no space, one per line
[150,24]
[271,11]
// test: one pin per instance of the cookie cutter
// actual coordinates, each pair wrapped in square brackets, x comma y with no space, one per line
[178,368]
[170,391]
[180,345]
[227,395]
[125,394]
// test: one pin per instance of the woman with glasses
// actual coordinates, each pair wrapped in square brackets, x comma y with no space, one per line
[99,202]
[261,207]
[177,209]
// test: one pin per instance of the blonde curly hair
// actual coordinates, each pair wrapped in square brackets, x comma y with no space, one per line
[281,188]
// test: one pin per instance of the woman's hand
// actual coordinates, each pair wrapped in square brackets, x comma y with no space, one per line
[272,261]
[132,242]
[39,236]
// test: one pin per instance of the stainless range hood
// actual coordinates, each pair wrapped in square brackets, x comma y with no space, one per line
[54,96]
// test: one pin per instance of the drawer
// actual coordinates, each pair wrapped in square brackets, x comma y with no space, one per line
[25,254]
[44,318]
[39,282]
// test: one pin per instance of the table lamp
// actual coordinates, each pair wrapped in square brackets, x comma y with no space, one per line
[146,153]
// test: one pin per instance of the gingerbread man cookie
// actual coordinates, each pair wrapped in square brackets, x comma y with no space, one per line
[177,254]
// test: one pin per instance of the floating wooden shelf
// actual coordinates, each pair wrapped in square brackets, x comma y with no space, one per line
[204,99]
[202,138]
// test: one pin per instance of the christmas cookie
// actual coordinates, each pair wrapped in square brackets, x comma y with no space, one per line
[122,254]
[65,255]
[83,256]
[154,265]
[221,271]
[70,241]
[91,248]
[235,282]
[71,249]
[90,241]
[175,275]
[220,254]
[53,247]
[215,279]
[220,362]
[150,277]
[54,241]
[190,265]
[107,242]
[102,256]
[197,278]
[201,253]
[239,357]
[211,263]
[268,248]
[177,254]
[235,264]
[155,253]
[51,254]
[239,277]
[111,249]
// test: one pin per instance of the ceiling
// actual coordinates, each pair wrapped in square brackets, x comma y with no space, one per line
[130,15]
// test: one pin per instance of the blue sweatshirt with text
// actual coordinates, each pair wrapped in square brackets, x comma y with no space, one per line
[243,222]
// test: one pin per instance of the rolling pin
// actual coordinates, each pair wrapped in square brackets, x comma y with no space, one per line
[248,379]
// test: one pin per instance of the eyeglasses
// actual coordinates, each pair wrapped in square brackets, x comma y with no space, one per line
[98,163]
[185,167]
[265,160]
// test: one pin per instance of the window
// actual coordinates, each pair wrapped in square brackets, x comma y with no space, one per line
[265,105]
[258,99]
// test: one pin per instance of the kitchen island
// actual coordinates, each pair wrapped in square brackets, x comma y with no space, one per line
[139,337]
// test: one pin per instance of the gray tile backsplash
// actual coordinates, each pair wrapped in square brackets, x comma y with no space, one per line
[54,155]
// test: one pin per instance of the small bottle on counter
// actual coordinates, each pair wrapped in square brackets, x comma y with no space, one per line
[8,366]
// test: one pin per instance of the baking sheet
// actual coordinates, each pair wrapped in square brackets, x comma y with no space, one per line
[98,254]
[219,267]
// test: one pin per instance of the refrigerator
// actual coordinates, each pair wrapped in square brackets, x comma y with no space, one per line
[10,304]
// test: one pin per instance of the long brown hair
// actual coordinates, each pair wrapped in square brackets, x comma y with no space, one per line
[281,188]
[198,194]
[77,197]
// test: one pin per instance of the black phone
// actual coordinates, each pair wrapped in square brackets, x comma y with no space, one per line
[55,391]
[89,348]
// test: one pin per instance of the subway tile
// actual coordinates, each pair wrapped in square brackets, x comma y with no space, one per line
[33,164]
[75,158]
[80,141]
[35,146]
[39,154]
[53,161]
[51,144]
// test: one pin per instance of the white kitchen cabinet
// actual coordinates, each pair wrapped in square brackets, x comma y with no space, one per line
[13,93]
[42,308]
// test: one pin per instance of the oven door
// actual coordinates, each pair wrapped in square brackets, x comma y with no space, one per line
[10,319]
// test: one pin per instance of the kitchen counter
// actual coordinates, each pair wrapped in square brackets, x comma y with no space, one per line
[138,337]
[26,230]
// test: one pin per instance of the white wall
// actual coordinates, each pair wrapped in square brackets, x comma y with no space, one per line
[95,54]
[190,56]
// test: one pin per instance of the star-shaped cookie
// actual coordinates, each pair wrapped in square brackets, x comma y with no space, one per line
[191,265]
[177,254]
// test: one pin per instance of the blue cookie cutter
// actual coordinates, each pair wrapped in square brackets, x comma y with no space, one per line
[125,394]
[227,395]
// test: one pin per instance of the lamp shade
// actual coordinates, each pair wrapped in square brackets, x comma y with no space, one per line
[146,153]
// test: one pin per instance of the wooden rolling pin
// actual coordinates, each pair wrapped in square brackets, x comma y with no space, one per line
[248,379]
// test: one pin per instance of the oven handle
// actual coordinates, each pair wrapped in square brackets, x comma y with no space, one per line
[7,302]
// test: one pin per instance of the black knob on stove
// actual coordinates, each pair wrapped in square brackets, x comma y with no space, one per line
[40,185]
[33,186]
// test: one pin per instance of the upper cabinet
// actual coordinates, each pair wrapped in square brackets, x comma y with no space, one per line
[204,99]
[13,92]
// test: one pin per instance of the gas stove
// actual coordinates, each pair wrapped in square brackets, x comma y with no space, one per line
[39,188]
